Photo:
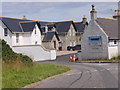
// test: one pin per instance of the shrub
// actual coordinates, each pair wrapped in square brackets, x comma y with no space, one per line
[9,56]
[26,60]
[116,58]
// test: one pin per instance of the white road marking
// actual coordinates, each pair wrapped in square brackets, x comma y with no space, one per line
[86,71]
[73,73]
[102,70]
[102,64]
[94,71]
[109,69]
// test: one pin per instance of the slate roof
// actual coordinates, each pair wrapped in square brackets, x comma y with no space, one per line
[28,27]
[79,26]
[19,25]
[43,23]
[63,26]
[110,27]
[49,36]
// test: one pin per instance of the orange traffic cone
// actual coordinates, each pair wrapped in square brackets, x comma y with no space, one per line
[71,58]
[74,58]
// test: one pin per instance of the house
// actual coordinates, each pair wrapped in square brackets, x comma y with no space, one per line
[21,32]
[100,39]
[69,32]
[24,36]
[44,27]
[66,33]
[51,40]
[80,27]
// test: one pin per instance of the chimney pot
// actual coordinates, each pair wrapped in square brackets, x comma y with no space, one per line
[93,13]
[24,17]
[84,19]
[117,14]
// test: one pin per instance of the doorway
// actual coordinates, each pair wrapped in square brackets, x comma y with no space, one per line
[54,44]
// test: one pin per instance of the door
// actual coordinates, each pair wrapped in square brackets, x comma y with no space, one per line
[54,44]
[60,46]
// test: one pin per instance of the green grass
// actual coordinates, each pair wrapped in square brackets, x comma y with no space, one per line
[17,76]
[114,59]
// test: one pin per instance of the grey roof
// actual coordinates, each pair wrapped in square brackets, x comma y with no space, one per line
[42,23]
[79,26]
[110,27]
[63,26]
[28,27]
[49,36]
[50,27]
[18,25]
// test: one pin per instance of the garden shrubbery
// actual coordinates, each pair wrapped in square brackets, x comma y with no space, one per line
[9,56]
[116,58]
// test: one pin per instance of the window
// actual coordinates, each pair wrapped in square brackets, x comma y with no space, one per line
[35,30]
[17,37]
[36,42]
[115,42]
[70,32]
[5,32]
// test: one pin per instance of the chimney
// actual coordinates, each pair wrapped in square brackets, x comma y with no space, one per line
[24,17]
[117,14]
[84,19]
[93,13]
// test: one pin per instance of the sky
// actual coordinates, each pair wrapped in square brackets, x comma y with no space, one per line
[57,11]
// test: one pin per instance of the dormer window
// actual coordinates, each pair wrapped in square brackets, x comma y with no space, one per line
[5,32]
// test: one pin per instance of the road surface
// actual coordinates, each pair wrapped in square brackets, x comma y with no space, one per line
[83,75]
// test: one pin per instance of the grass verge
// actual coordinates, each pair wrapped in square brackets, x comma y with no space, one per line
[17,77]
[99,61]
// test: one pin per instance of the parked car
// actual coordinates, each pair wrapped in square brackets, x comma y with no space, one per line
[76,47]
[69,48]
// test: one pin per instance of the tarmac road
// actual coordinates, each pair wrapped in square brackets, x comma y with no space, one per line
[83,75]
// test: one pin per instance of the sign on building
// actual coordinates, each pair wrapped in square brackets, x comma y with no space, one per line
[95,43]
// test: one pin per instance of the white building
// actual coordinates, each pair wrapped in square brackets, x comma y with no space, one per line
[24,36]
[101,38]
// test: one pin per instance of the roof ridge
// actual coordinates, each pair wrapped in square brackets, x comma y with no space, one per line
[107,18]
[77,22]
[51,31]
[15,18]
[24,19]
[63,21]
[28,21]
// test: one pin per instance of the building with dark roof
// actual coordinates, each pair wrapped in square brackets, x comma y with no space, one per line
[101,38]
[20,31]
[24,36]
[69,32]
[51,40]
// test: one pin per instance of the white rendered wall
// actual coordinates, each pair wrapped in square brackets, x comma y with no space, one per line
[36,52]
[36,37]
[24,39]
[94,29]
[113,51]
[28,38]
[7,38]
